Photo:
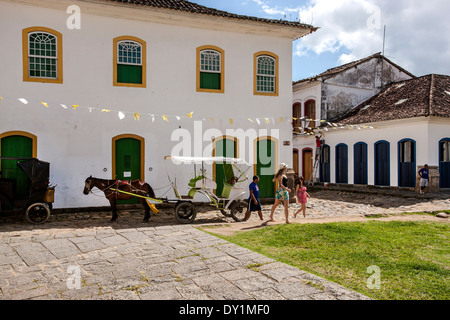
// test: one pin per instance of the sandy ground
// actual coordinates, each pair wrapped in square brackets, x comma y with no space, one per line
[254,222]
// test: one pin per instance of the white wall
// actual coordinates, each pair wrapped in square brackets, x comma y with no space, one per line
[77,143]
[426,134]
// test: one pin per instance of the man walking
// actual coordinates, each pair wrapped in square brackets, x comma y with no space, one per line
[424,174]
[254,204]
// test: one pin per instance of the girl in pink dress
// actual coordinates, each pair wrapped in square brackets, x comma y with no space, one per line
[302,196]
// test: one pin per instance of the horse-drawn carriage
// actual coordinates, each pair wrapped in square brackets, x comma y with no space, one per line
[36,202]
[229,201]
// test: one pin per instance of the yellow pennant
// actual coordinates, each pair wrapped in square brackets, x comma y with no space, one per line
[165,118]
[251,120]
[190,115]
[106,110]
[1,98]
[267,120]
[136,116]
[45,104]
[231,121]
[212,119]
[281,119]
[295,119]
[75,106]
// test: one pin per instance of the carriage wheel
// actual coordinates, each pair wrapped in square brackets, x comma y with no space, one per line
[226,213]
[185,212]
[37,213]
[238,210]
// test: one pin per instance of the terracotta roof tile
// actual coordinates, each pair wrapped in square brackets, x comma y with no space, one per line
[420,97]
[187,6]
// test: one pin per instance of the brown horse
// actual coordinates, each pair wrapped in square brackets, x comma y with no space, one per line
[110,187]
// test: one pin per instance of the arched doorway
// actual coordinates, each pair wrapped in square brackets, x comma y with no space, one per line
[307,163]
[444,163]
[360,163]
[266,159]
[17,144]
[224,146]
[128,159]
[407,163]
[382,166]
[341,163]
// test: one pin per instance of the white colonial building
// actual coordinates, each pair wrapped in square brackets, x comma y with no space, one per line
[330,94]
[108,88]
[385,140]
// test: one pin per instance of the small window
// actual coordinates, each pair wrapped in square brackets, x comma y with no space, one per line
[42,50]
[210,62]
[129,62]
[266,74]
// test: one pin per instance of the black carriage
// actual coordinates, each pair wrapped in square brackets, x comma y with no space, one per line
[37,203]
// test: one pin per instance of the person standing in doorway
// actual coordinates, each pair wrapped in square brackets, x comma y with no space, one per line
[254,204]
[424,174]
[302,195]
[282,193]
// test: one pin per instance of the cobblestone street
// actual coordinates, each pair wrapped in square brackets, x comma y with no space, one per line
[164,260]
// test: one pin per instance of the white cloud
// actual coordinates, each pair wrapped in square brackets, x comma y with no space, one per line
[417,35]
[275,10]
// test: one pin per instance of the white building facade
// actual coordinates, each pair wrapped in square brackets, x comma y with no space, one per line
[134,82]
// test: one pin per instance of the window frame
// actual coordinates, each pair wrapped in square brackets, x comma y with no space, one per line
[25,55]
[255,73]
[222,69]
[143,64]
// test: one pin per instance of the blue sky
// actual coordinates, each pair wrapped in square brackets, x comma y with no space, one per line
[417,31]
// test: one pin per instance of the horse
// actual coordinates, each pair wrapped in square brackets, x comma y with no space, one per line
[137,187]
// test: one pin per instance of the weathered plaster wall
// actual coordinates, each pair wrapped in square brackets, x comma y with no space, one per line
[347,89]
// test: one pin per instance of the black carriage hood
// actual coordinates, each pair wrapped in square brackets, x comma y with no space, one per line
[36,170]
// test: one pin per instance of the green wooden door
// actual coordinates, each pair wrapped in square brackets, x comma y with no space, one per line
[128,162]
[265,167]
[224,148]
[16,147]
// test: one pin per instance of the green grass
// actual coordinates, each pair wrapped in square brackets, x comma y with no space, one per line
[414,257]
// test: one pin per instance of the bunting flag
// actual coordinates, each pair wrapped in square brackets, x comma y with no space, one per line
[326,125]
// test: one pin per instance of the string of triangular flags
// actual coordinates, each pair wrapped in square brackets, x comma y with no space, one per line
[167,118]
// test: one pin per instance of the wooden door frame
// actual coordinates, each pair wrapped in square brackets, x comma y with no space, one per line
[128,136]
[23,134]
[303,161]
[236,150]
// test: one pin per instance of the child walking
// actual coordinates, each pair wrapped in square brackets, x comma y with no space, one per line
[302,196]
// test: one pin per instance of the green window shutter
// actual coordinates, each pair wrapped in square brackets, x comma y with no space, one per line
[210,80]
[129,74]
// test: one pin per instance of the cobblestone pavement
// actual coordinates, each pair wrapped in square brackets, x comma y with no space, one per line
[160,260]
